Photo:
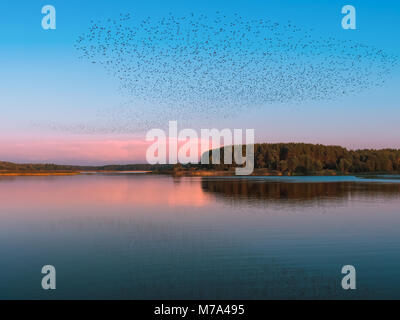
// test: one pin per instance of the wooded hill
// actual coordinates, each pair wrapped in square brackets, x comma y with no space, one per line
[302,158]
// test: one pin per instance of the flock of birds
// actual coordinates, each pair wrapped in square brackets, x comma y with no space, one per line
[182,67]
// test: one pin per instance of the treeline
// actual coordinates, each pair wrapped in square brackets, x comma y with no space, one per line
[29,168]
[15,167]
[302,158]
[285,158]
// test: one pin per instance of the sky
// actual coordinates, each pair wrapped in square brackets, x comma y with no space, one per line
[61,108]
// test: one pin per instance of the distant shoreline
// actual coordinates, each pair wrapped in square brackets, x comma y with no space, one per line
[72,173]
[277,159]
[8,174]
[196,173]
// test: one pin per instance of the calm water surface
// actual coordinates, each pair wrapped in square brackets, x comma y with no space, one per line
[157,237]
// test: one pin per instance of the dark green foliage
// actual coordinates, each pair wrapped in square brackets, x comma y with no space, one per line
[302,158]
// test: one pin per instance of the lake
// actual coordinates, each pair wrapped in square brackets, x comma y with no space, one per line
[144,236]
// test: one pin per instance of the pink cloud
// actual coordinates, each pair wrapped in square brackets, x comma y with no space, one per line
[78,151]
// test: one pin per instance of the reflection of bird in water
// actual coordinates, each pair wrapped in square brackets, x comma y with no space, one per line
[223,65]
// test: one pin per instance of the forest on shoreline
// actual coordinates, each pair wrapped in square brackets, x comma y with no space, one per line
[307,159]
[270,158]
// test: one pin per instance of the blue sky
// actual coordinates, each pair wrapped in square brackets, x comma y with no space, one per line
[48,93]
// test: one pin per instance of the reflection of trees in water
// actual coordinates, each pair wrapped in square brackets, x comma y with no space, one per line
[250,191]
